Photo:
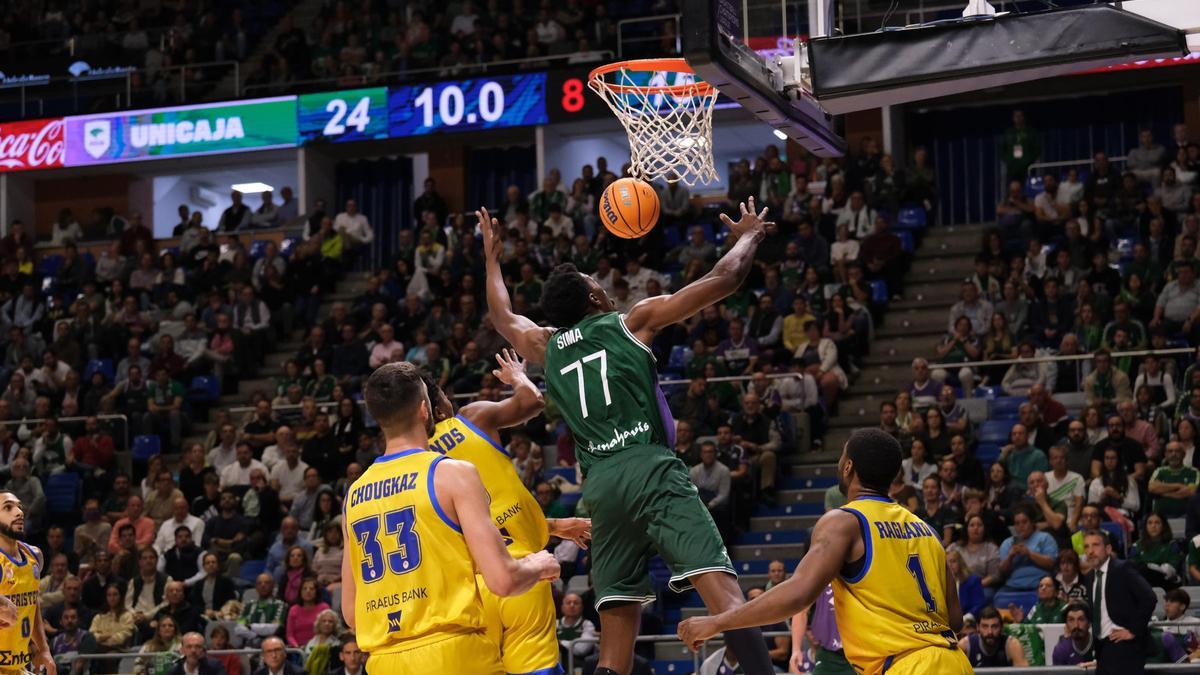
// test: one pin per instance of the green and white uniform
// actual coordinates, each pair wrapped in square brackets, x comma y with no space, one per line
[604,382]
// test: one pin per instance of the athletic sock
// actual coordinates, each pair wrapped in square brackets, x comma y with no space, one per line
[751,652]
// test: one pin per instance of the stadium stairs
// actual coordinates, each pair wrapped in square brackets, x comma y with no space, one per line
[910,328]
[350,287]
[303,13]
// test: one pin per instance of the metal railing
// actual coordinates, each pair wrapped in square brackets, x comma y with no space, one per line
[119,656]
[431,73]
[1062,357]
[1068,162]
[61,420]
[177,82]
[698,657]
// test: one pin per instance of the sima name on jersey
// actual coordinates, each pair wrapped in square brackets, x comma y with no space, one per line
[568,338]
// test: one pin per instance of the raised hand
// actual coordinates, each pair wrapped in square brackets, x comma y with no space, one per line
[750,223]
[578,530]
[511,369]
[492,232]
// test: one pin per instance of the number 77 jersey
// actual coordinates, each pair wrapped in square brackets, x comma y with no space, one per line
[895,597]
[604,382]
[412,572]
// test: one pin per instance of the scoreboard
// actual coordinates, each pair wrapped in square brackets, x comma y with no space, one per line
[477,103]
[343,116]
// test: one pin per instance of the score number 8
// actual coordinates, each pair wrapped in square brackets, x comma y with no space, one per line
[572,100]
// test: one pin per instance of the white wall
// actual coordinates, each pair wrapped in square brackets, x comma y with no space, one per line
[207,190]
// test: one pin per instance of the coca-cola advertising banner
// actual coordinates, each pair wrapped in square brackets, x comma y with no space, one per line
[32,144]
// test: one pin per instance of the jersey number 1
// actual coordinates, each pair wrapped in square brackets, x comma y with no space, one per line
[914,568]
[577,366]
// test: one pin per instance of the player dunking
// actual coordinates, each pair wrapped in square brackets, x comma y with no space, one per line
[23,645]
[600,373]
[417,528]
[895,600]
[523,626]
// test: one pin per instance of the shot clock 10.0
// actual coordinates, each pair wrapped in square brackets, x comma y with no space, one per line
[473,104]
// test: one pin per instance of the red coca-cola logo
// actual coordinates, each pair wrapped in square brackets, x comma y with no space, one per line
[35,144]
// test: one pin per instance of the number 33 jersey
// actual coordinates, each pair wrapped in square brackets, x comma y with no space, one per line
[413,574]
[603,381]
[19,584]
[896,600]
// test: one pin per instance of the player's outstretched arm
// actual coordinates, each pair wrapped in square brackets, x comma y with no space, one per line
[459,488]
[41,646]
[653,314]
[349,592]
[525,403]
[953,607]
[526,337]
[833,538]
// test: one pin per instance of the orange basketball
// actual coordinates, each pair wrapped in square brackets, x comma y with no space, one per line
[629,208]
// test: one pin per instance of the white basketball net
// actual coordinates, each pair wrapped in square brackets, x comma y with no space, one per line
[670,135]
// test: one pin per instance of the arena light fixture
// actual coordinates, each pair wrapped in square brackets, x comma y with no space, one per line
[252,188]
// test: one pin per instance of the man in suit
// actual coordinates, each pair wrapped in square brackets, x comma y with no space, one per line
[351,659]
[195,659]
[1121,603]
[274,659]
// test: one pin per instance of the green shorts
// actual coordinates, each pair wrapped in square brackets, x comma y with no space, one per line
[642,504]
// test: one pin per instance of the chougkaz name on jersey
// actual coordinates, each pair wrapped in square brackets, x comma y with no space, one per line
[382,489]
[619,438]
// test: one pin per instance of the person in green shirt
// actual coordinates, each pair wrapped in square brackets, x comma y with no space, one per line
[261,614]
[1155,555]
[291,375]
[164,407]
[1021,148]
[547,496]
[1173,483]
[834,499]
[1021,458]
[1049,607]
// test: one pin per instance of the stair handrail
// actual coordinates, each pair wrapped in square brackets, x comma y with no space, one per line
[1062,357]
[474,394]
[34,421]
[1069,162]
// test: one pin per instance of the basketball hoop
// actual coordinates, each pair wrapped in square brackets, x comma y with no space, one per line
[667,114]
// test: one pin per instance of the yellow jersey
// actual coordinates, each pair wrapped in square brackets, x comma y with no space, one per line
[895,602]
[19,584]
[413,575]
[514,510]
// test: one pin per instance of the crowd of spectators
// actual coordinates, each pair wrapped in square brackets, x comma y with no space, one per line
[154,37]
[267,486]
[375,41]
[1096,265]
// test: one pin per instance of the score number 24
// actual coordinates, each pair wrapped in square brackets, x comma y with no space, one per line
[359,117]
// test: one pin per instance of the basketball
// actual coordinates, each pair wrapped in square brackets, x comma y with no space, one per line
[629,208]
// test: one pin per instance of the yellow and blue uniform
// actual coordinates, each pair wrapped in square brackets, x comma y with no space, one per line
[417,608]
[20,585]
[892,604]
[523,626]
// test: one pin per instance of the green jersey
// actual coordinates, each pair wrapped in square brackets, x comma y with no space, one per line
[1171,507]
[604,382]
